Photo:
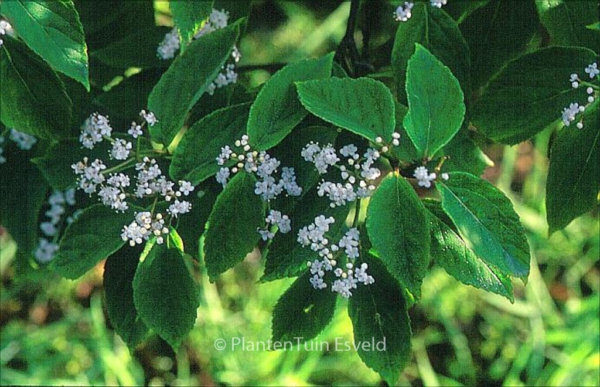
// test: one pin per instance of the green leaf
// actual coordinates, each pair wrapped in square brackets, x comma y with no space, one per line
[381,323]
[434,29]
[22,195]
[103,20]
[436,109]
[188,17]
[594,26]
[194,158]
[98,227]
[145,41]
[464,155]
[34,99]
[125,100]
[398,228]
[574,173]
[119,271]
[567,22]
[52,29]
[302,312]
[363,106]
[165,294]
[530,93]
[497,33]
[451,252]
[487,222]
[185,81]
[276,110]
[191,226]
[232,225]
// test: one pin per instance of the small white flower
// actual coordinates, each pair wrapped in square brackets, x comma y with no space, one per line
[185,187]
[438,3]
[218,19]
[169,45]
[424,178]
[120,149]
[179,207]
[135,130]
[45,251]
[149,117]
[403,13]
[24,141]
[592,70]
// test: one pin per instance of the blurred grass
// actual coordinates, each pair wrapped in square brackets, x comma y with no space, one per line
[53,331]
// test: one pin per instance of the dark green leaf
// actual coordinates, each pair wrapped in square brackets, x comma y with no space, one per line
[574,173]
[436,109]
[399,231]
[109,21]
[487,222]
[435,30]
[194,158]
[52,29]
[22,195]
[119,271]
[185,81]
[165,294]
[381,323]
[363,106]
[92,237]
[232,225]
[464,155]
[567,21]
[276,110]
[121,54]
[34,99]
[451,252]
[124,101]
[497,33]
[530,93]
[302,311]
[188,16]
[192,225]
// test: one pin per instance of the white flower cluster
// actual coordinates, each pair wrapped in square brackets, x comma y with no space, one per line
[169,46]
[5,29]
[569,114]
[58,202]
[356,172]
[260,163]
[143,227]
[347,276]
[438,3]
[217,20]
[403,12]
[23,140]
[424,178]
[275,218]
[268,187]
[112,186]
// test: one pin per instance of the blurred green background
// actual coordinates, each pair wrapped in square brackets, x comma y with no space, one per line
[54,331]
